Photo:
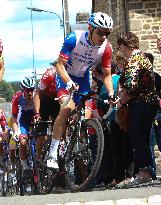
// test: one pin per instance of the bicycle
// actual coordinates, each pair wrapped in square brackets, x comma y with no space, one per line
[48,176]
[82,160]
[64,151]
[5,167]
[27,184]
[8,183]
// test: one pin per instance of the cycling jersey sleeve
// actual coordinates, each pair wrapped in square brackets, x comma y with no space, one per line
[1,47]
[68,46]
[15,108]
[47,80]
[107,57]
[3,119]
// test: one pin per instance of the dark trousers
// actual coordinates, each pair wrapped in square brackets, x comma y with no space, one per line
[123,156]
[141,116]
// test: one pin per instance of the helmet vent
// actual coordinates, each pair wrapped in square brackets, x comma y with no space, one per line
[102,16]
[106,23]
[100,22]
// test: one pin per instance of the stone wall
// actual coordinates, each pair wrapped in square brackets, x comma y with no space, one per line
[113,8]
[145,21]
[142,17]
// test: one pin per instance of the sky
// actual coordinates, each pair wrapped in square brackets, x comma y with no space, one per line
[48,35]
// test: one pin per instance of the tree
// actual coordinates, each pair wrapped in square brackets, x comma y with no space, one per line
[6,90]
[16,86]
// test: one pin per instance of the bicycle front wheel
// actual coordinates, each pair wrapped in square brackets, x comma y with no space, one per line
[83,156]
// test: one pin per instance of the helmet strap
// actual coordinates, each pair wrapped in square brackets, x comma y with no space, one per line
[91,32]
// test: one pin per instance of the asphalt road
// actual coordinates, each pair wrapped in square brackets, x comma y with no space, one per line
[82,196]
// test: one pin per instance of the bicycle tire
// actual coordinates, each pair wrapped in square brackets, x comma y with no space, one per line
[5,180]
[20,189]
[46,175]
[70,182]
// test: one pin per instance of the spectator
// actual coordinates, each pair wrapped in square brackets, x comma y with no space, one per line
[138,91]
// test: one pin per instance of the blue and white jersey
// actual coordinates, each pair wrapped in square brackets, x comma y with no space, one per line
[81,55]
[22,108]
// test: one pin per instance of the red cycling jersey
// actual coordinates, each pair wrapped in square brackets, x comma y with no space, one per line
[3,121]
[48,83]
[1,47]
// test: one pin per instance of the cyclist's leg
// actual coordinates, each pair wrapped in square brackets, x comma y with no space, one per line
[12,146]
[41,129]
[1,153]
[58,130]
[24,128]
[3,137]
[84,87]
[60,121]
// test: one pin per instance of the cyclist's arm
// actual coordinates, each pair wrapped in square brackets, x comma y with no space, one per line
[64,56]
[37,101]
[15,110]
[60,69]
[1,68]
[14,123]
[107,79]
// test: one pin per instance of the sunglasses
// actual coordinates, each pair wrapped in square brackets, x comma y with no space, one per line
[28,90]
[102,33]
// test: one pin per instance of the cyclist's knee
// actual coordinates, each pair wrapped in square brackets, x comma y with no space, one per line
[12,147]
[23,139]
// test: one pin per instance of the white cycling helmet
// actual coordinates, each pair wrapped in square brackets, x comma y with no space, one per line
[28,82]
[100,20]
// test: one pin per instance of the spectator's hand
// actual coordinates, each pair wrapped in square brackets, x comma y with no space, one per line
[155,122]
[113,100]
[36,117]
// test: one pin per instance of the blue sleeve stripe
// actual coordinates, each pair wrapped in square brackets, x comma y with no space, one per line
[69,44]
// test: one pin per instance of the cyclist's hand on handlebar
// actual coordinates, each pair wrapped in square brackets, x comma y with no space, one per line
[36,117]
[72,85]
[15,137]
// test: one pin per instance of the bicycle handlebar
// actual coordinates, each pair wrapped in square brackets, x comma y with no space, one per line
[87,96]
[44,121]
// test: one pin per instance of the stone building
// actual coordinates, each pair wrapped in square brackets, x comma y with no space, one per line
[143,17]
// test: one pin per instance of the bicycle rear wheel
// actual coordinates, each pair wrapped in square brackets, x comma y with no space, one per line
[84,155]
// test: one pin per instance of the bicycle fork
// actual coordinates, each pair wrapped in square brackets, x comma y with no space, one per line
[33,160]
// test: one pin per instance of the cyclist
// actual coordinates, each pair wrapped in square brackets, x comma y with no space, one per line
[1,61]
[81,50]
[45,104]
[3,135]
[22,114]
